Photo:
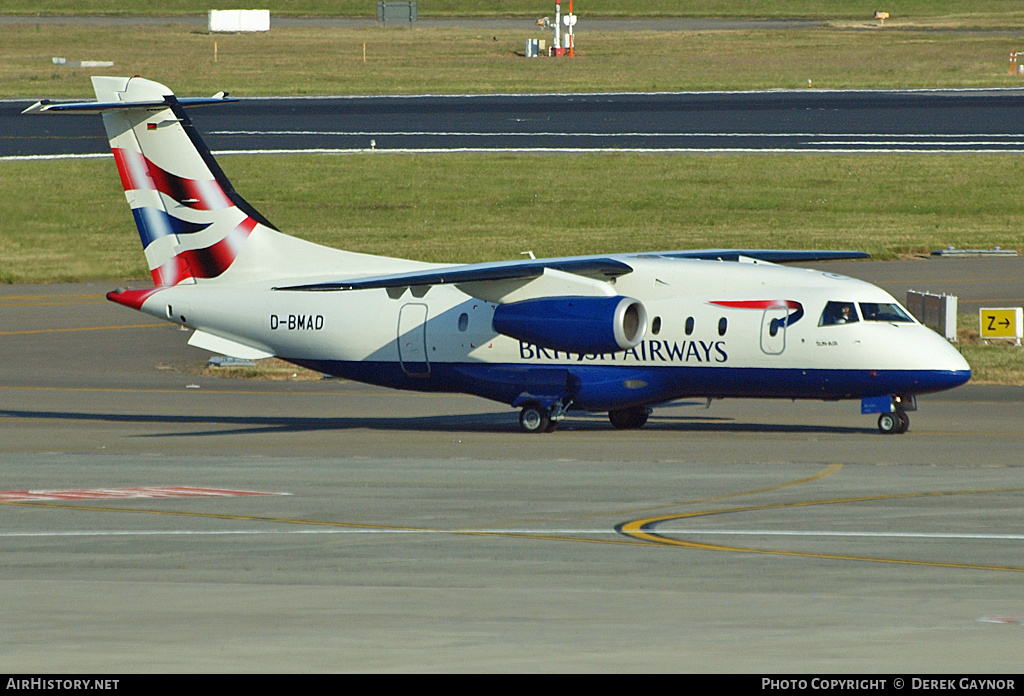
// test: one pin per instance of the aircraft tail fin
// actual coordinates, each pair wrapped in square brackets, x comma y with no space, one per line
[191,222]
[194,227]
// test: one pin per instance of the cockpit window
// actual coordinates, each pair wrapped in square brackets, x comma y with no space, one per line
[874,311]
[838,313]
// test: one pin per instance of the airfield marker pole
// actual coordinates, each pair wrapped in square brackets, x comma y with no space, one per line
[214,51]
[1013,62]
[558,25]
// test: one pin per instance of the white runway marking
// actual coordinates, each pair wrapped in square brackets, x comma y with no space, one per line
[866,148]
[645,134]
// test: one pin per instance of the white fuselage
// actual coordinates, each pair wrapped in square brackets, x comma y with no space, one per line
[697,321]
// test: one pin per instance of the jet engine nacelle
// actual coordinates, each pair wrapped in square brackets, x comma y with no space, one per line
[577,324]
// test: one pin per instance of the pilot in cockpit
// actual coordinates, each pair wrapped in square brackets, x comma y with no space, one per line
[838,313]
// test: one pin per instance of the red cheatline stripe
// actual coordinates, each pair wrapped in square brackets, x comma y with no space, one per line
[758,304]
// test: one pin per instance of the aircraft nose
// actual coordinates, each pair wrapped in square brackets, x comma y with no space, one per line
[954,358]
[946,367]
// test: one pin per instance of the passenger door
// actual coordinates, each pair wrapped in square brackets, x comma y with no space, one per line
[412,340]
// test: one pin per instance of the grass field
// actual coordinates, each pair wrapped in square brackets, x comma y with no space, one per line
[475,207]
[331,61]
[531,8]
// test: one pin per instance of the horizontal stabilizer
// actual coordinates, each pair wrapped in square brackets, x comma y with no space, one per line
[47,106]
[225,346]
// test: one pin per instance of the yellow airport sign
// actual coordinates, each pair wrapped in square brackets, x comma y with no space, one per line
[1001,322]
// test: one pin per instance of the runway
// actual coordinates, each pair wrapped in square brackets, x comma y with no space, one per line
[802,121]
[404,532]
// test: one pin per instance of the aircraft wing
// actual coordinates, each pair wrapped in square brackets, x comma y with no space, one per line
[595,267]
[770,255]
[507,281]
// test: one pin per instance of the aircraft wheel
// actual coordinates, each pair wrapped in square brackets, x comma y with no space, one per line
[889,423]
[534,419]
[904,424]
[641,416]
[629,418]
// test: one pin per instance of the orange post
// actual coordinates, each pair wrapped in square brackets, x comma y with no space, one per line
[571,42]
[1013,62]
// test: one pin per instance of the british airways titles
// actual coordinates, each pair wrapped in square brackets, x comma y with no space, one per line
[648,351]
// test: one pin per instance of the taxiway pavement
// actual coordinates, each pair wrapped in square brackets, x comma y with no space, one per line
[425,533]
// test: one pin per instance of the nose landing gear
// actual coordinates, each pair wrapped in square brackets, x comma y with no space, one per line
[892,410]
[897,422]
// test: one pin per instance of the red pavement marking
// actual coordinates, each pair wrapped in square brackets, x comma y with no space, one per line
[127,493]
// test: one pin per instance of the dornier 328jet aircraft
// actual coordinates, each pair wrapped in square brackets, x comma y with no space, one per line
[618,333]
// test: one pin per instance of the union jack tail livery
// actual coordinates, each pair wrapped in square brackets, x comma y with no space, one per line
[192,224]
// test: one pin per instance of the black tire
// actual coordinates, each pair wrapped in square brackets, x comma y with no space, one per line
[641,417]
[534,419]
[904,424]
[629,418]
[889,423]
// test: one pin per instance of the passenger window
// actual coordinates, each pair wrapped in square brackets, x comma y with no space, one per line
[838,313]
[656,326]
[886,311]
[689,325]
[723,326]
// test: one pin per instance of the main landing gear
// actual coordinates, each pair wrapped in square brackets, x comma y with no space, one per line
[534,418]
[629,418]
